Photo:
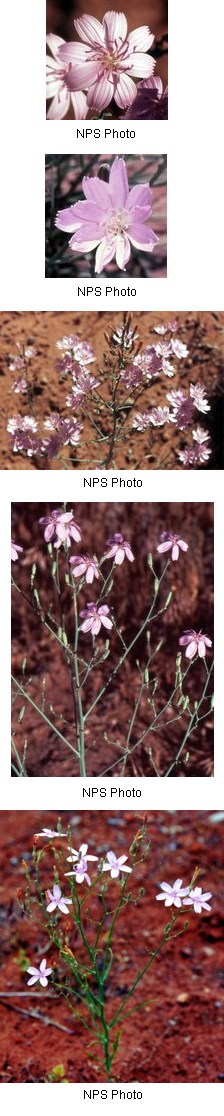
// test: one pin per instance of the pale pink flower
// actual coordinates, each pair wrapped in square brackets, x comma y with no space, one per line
[119,549]
[172,896]
[159,415]
[173,543]
[94,616]
[179,348]
[82,852]
[141,422]
[57,900]
[168,327]
[110,219]
[82,385]
[200,435]
[148,362]
[183,408]
[80,871]
[200,901]
[131,376]
[58,87]
[109,60]
[61,524]
[50,833]
[15,550]
[40,974]
[84,566]
[115,865]
[195,642]
[197,393]
[23,434]
[20,385]
[125,337]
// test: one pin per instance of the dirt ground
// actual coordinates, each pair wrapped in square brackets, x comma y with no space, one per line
[191,582]
[179,1037]
[61,15]
[203,334]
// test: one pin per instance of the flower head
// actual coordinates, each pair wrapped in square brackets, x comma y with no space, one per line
[195,642]
[115,865]
[57,900]
[200,901]
[58,88]
[151,101]
[159,415]
[172,896]
[94,616]
[50,833]
[173,543]
[40,974]
[110,219]
[15,550]
[82,852]
[84,567]
[119,549]
[109,59]
[62,525]
[80,869]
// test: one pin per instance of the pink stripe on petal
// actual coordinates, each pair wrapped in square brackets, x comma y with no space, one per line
[125,92]
[141,38]
[74,53]
[89,29]
[116,27]
[118,183]
[100,94]
[140,65]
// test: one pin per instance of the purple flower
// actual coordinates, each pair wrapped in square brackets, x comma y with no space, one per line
[87,566]
[57,75]
[131,376]
[95,616]
[151,101]
[61,524]
[183,408]
[141,422]
[148,362]
[110,219]
[119,549]
[23,434]
[80,870]
[195,642]
[15,550]
[200,901]
[115,865]
[171,542]
[40,974]
[172,896]
[169,327]
[20,385]
[50,833]
[76,350]
[82,852]
[109,60]
[197,393]
[57,900]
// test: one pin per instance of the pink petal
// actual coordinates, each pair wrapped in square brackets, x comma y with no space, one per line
[141,38]
[175,552]
[54,42]
[97,191]
[66,220]
[201,648]
[33,979]
[79,104]
[143,238]
[73,53]
[43,981]
[78,244]
[104,254]
[107,623]
[89,29]
[116,27]
[100,94]
[140,65]
[83,75]
[122,859]
[163,547]
[191,649]
[139,196]
[96,625]
[118,183]
[183,545]
[125,91]
[59,106]
[119,556]
[114,873]
[207,641]
[89,211]
[87,625]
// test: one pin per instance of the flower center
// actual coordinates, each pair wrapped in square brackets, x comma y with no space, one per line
[117,221]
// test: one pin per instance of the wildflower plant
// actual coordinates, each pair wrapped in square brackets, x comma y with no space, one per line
[99,69]
[82,948]
[96,651]
[102,411]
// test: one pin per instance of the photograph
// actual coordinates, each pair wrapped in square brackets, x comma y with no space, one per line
[107,65]
[111,946]
[112,640]
[111,390]
[115,209]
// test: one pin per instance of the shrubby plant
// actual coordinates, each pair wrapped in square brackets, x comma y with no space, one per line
[85,645]
[81,929]
[102,407]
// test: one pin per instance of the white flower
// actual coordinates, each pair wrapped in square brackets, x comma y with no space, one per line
[57,900]
[173,895]
[40,974]
[200,901]
[116,864]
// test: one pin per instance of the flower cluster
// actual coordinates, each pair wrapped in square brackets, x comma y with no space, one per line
[86,76]
[179,896]
[136,369]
